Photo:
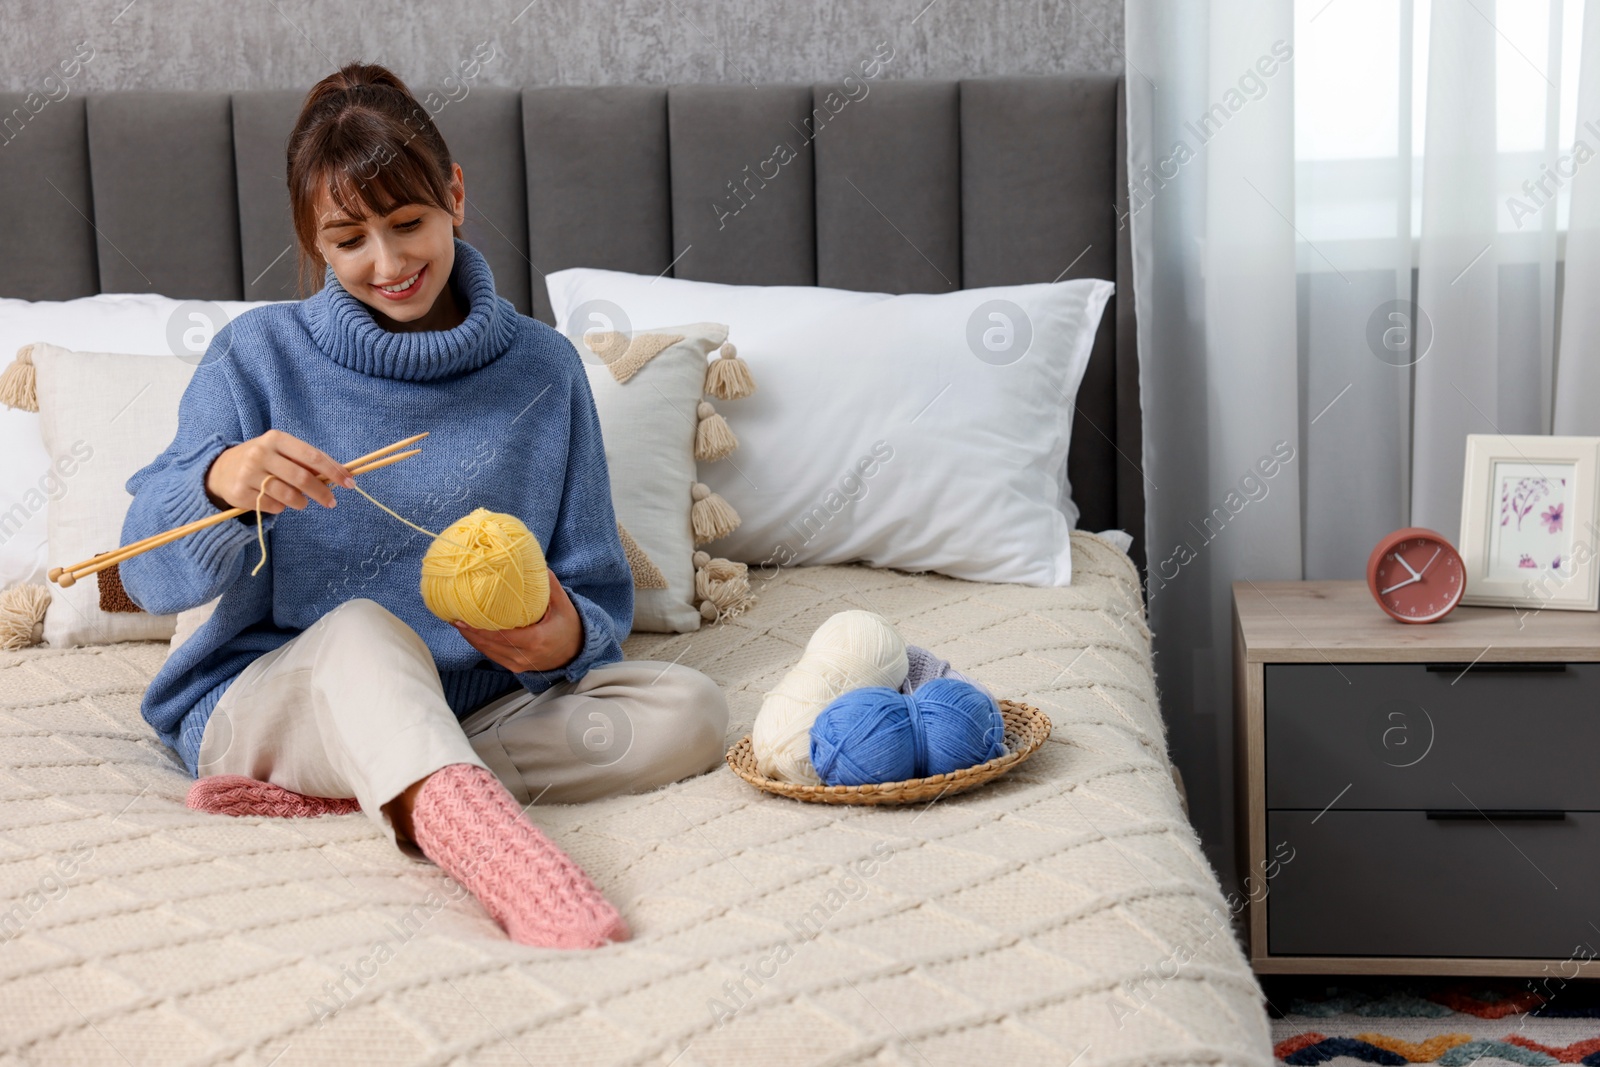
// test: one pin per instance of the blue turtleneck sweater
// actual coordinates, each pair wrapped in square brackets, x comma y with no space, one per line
[512,428]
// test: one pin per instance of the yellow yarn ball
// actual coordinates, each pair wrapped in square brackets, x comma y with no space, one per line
[488,571]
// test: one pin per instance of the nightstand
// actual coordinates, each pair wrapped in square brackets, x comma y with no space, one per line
[1415,799]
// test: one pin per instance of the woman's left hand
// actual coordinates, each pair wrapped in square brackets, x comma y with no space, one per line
[547,645]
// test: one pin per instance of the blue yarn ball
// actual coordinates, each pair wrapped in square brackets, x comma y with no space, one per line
[867,736]
[963,722]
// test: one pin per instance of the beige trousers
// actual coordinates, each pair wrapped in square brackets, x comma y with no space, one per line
[353,707]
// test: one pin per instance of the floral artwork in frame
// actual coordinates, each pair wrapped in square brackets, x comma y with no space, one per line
[1530,530]
[1530,535]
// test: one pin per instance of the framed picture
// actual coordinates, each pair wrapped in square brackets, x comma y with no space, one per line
[1530,531]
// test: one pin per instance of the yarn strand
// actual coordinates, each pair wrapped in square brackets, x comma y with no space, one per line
[380,505]
[261,534]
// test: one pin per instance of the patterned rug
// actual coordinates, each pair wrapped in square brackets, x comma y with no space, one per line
[1454,1022]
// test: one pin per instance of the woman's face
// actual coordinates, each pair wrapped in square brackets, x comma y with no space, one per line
[397,264]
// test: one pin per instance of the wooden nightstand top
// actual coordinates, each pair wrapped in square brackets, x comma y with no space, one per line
[1337,622]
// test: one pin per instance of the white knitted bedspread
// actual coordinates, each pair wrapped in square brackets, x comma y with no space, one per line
[1063,914]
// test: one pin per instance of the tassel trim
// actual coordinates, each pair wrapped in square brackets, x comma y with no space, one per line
[728,377]
[22,615]
[711,516]
[19,383]
[713,437]
[721,588]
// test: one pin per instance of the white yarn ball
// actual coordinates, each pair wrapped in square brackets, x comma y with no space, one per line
[852,650]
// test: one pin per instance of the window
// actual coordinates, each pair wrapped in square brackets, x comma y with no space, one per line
[1361,108]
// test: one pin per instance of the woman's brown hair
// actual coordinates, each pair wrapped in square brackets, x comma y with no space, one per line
[364,138]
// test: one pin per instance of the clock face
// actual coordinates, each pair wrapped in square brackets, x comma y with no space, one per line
[1416,576]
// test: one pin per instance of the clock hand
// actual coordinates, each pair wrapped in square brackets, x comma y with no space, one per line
[1428,564]
[1402,585]
[1398,558]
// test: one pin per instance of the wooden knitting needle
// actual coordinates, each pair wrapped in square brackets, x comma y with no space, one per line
[370,456]
[66,577]
[364,464]
[96,563]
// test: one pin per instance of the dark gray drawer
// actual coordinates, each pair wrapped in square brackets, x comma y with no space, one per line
[1401,735]
[1397,883]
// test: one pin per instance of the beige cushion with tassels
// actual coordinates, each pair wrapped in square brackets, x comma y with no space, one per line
[112,414]
[649,387]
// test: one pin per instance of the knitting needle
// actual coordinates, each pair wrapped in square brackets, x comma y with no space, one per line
[103,560]
[106,559]
[378,464]
[386,448]
[66,577]
[364,463]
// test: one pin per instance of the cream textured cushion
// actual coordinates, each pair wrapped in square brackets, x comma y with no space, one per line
[113,414]
[647,389]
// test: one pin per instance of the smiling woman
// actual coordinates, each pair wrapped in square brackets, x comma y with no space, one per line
[361,699]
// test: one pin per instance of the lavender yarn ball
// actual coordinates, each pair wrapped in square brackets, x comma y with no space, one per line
[873,735]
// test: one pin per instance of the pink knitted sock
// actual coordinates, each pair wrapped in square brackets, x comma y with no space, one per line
[234,794]
[467,823]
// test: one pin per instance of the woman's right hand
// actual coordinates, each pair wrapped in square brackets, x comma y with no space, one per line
[236,476]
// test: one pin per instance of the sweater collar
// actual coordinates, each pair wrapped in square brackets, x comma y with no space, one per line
[344,329]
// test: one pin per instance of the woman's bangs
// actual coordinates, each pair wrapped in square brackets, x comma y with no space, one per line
[380,179]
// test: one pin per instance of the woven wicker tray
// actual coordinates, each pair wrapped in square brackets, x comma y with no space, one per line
[1026,729]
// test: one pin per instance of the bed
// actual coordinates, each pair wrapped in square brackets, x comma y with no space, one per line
[1063,914]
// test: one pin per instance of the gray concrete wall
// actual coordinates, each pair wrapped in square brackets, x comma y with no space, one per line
[289,44]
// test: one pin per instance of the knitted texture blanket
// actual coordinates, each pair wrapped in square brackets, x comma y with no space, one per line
[1061,914]
[512,428]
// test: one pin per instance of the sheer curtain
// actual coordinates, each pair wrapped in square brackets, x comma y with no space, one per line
[1352,223]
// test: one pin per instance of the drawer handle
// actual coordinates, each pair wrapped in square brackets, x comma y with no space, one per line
[1495,815]
[1496,668]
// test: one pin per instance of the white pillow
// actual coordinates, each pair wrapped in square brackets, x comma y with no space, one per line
[136,324]
[918,432]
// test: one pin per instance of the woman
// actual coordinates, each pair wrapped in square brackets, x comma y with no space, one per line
[323,676]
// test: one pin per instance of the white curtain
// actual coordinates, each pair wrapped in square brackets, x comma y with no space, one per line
[1577,400]
[1351,233]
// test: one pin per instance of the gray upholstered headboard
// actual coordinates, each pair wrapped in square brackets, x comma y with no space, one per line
[913,187]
